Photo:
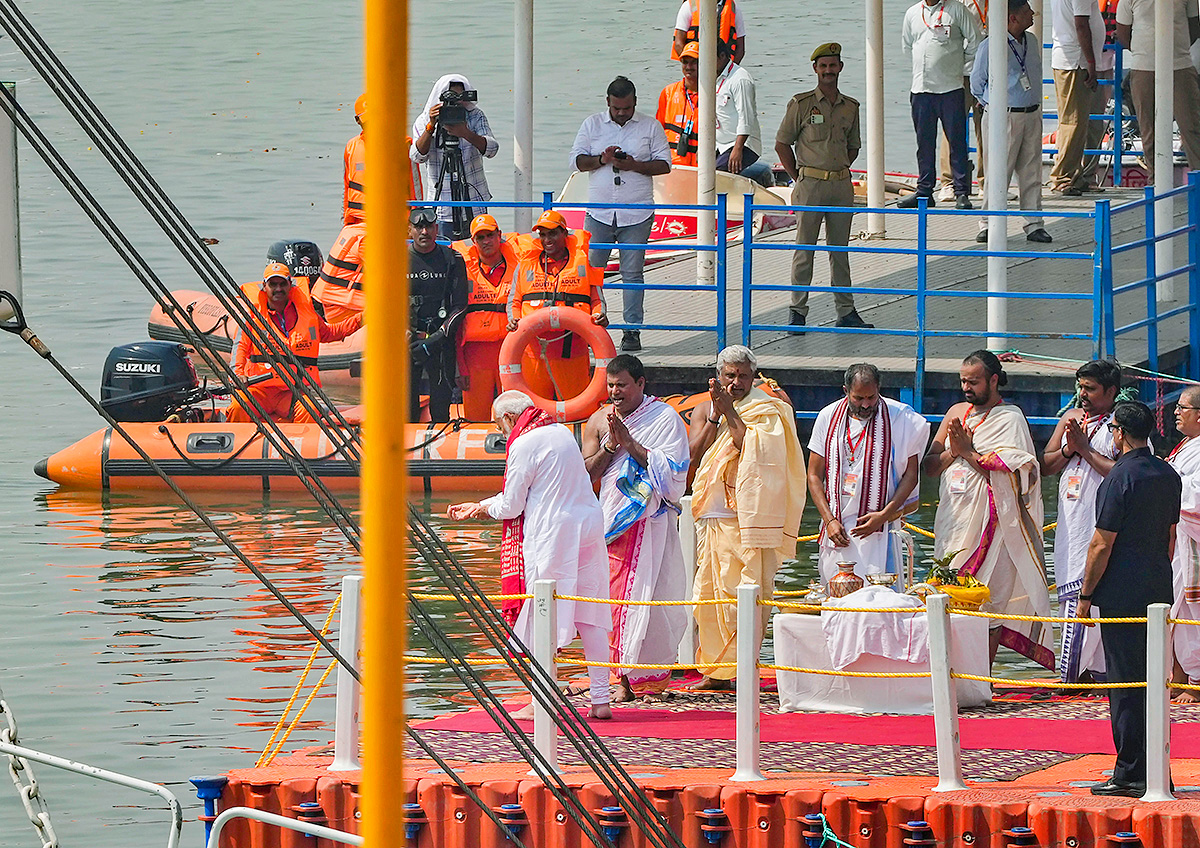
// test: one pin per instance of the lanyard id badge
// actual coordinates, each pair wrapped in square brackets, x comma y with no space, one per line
[849,485]
[958,480]
[1024,82]
[1074,485]
[941,33]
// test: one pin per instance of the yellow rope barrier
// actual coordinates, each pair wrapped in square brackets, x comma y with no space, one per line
[670,666]
[444,661]
[1191,687]
[300,712]
[1006,617]
[820,607]
[1182,621]
[831,673]
[1046,684]
[811,538]
[698,603]
[917,529]
[424,597]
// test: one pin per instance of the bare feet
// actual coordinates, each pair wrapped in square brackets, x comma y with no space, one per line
[623,693]
[525,713]
[1185,696]
[600,711]
[712,684]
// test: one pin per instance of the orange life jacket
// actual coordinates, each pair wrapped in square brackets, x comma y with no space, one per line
[726,26]
[677,114]
[354,179]
[533,288]
[304,339]
[487,304]
[341,281]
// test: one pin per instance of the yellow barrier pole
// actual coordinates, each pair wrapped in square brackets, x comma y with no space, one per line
[385,397]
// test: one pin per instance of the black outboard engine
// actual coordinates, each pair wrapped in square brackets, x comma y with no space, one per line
[303,257]
[147,381]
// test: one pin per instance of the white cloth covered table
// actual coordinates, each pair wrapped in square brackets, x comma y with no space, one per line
[800,642]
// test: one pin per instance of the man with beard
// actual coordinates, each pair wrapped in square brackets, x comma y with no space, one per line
[864,462]
[637,448]
[989,515]
[1185,459]
[745,500]
[437,287]
[1082,450]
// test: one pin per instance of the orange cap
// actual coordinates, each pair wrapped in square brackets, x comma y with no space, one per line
[484,222]
[551,219]
[691,50]
[360,105]
[277,269]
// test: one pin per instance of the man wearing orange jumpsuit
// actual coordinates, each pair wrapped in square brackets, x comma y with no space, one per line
[354,171]
[491,262]
[288,308]
[338,292]
[554,270]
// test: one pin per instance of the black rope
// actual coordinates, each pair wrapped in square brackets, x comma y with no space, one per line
[202,466]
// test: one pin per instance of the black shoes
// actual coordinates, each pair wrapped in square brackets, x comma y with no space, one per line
[796,321]
[1069,191]
[963,202]
[631,340]
[853,319]
[910,202]
[1040,236]
[981,237]
[1120,788]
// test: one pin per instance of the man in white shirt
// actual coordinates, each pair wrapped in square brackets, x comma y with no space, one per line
[622,151]
[1079,62]
[1135,31]
[941,37]
[739,138]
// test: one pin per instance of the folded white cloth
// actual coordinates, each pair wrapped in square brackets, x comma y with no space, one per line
[894,636]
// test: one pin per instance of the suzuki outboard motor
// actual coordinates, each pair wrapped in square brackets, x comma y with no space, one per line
[147,381]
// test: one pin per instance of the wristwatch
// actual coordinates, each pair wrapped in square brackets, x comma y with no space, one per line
[1084,597]
[607,449]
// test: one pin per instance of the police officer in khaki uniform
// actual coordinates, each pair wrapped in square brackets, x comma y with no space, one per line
[823,126]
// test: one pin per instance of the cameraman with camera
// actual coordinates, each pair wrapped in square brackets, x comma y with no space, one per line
[452,135]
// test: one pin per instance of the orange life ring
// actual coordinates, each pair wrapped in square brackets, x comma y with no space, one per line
[559,318]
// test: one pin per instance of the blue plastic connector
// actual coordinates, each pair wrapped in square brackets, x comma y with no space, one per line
[208,790]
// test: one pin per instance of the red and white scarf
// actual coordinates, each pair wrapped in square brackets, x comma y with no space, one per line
[877,446]
[512,557]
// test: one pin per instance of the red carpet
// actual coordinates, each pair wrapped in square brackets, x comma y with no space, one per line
[1089,736]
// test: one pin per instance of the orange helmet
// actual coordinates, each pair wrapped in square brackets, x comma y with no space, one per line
[360,105]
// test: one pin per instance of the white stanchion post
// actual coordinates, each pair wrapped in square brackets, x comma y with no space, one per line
[1164,150]
[349,692]
[687,540]
[10,220]
[545,650]
[749,760]
[876,224]
[945,696]
[523,112]
[1158,704]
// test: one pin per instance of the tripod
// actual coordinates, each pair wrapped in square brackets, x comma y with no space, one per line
[452,170]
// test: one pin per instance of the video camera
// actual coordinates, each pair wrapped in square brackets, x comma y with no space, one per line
[453,111]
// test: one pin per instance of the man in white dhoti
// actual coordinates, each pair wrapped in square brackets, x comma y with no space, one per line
[747,498]
[864,464]
[1082,449]
[556,528]
[637,448]
[1185,459]
[990,511]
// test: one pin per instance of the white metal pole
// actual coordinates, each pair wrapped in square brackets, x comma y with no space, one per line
[1158,704]
[749,761]
[523,112]
[349,693]
[876,222]
[997,185]
[317,830]
[945,695]
[545,648]
[1164,147]
[706,154]
[10,221]
[687,540]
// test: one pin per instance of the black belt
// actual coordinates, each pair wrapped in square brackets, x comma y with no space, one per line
[488,307]
[1032,108]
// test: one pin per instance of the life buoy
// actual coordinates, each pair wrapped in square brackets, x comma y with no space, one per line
[559,318]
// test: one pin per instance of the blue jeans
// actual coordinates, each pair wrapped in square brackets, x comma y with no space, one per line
[632,261]
[949,108]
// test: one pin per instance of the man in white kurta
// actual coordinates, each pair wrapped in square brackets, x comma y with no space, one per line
[547,486]
[990,510]
[1081,451]
[863,469]
[637,447]
[1185,459]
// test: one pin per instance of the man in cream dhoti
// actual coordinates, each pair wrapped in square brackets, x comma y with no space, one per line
[637,448]
[553,529]
[989,512]
[1082,449]
[864,461]
[1185,564]
[747,498]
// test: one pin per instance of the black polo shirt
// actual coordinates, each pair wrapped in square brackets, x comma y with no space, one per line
[1139,501]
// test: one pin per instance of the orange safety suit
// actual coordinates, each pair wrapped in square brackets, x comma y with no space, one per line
[484,327]
[303,330]
[726,26]
[354,179]
[677,112]
[556,364]
[340,287]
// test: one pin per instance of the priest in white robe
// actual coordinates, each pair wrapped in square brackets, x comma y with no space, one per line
[560,532]
[864,461]
[1185,459]
[636,446]
[990,510]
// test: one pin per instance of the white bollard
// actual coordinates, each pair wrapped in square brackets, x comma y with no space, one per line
[945,696]
[545,650]
[687,540]
[1158,704]
[10,221]
[349,692]
[749,760]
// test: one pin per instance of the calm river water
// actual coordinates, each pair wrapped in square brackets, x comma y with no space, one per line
[129,638]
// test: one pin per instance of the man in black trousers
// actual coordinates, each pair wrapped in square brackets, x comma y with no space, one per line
[1129,568]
